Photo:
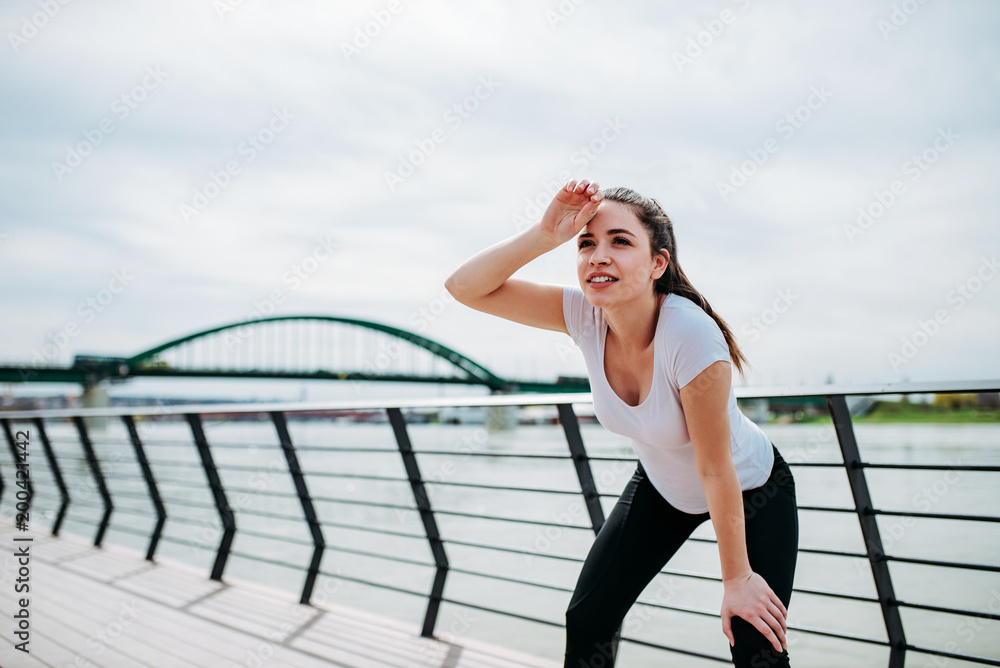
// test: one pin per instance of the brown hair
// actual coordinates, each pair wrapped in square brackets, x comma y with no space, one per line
[661,235]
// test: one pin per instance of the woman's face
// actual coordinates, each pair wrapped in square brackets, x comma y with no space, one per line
[616,245]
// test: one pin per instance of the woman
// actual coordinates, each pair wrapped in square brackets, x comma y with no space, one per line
[659,363]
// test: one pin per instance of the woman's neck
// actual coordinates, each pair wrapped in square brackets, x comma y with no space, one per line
[633,324]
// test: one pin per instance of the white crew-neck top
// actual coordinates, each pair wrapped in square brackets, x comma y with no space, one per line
[687,340]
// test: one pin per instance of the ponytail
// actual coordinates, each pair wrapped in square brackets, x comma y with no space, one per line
[673,281]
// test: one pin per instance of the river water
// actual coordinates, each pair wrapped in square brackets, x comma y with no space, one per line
[262,472]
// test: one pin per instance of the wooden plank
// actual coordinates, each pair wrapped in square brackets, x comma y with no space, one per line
[265,628]
[10,657]
[178,596]
[112,628]
[351,655]
[57,550]
[176,616]
[172,587]
[338,631]
[343,632]
[219,641]
[153,625]
[65,627]
[104,566]
[105,627]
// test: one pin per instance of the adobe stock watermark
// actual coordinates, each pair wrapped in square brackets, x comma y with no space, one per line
[121,108]
[223,7]
[581,159]
[576,515]
[264,652]
[915,167]
[562,12]
[294,616]
[567,345]
[364,34]
[259,480]
[248,149]
[666,591]
[30,26]
[963,292]
[437,654]
[900,16]
[88,309]
[146,423]
[454,117]
[84,486]
[967,631]
[103,638]
[760,323]
[392,350]
[822,438]
[294,277]
[786,126]
[924,501]
[704,39]
[422,318]
[465,447]
[603,654]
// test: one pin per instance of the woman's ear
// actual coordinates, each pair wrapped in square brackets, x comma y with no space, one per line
[661,261]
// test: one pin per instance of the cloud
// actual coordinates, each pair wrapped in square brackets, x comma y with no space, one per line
[559,81]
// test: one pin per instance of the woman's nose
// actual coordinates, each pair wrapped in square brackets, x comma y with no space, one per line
[599,256]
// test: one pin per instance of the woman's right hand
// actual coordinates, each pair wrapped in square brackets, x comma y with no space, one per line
[571,208]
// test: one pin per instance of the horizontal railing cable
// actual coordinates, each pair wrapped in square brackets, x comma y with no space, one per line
[936,516]
[952,655]
[271,536]
[210,433]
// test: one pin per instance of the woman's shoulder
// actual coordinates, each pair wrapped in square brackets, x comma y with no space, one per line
[692,339]
[684,316]
[574,297]
[580,316]
[675,300]
[685,307]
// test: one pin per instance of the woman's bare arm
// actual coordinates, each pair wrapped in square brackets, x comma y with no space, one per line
[705,404]
[484,282]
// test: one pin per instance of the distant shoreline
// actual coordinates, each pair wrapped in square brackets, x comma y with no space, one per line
[891,412]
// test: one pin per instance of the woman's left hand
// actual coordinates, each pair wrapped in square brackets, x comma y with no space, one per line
[750,598]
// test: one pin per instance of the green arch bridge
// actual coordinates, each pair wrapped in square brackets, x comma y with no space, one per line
[293,347]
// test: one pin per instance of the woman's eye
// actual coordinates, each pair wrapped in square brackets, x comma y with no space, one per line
[587,242]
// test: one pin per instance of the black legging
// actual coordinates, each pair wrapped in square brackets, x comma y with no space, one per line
[643,532]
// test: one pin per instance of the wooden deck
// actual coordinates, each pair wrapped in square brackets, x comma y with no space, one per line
[109,607]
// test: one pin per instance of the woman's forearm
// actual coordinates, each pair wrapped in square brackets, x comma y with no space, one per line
[487,270]
[725,507]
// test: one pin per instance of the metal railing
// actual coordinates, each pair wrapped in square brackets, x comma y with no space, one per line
[17,426]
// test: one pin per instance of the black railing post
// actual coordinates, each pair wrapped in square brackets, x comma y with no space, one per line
[95,470]
[281,425]
[571,427]
[50,456]
[869,529]
[426,516]
[154,492]
[218,494]
[21,468]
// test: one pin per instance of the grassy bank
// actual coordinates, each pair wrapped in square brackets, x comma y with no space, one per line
[901,411]
[890,411]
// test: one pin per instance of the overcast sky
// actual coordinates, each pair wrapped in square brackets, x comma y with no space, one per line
[186,156]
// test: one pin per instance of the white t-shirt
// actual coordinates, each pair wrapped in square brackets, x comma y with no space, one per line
[686,342]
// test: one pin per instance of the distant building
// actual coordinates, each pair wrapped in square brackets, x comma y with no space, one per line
[989,399]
